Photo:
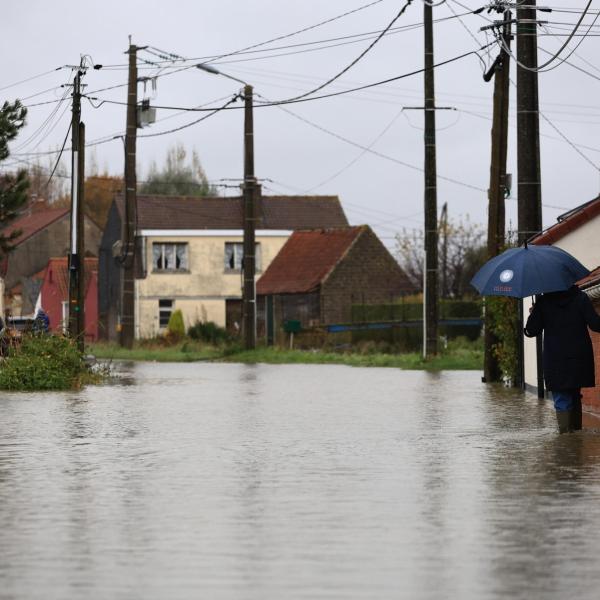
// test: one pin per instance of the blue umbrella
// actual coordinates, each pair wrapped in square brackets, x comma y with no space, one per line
[529,270]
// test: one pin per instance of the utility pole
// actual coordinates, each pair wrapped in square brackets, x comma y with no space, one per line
[528,150]
[130,208]
[444,229]
[500,70]
[76,248]
[249,214]
[430,271]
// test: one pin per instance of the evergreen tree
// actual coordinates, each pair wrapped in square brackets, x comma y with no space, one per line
[13,187]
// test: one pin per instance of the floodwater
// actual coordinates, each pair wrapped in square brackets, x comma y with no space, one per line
[222,481]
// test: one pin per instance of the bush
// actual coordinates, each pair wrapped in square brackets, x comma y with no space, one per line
[44,362]
[209,332]
[175,327]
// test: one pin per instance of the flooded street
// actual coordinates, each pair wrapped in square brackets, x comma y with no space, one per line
[223,481]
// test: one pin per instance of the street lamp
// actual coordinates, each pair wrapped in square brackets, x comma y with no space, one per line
[250,189]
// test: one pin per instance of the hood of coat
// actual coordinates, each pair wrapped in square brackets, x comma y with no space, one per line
[563,298]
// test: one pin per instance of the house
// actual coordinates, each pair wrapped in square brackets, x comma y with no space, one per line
[54,296]
[318,275]
[591,396]
[577,232]
[45,233]
[189,253]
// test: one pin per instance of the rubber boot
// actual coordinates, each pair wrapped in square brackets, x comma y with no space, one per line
[576,417]
[564,421]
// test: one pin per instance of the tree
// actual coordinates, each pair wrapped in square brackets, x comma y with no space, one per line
[100,191]
[461,251]
[13,187]
[178,177]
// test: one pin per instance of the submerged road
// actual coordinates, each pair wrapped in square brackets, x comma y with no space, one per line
[225,481]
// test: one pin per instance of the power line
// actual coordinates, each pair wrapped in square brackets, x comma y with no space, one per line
[357,59]
[374,152]
[186,125]
[59,156]
[30,78]
[330,95]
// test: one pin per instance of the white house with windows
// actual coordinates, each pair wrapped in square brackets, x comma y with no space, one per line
[189,256]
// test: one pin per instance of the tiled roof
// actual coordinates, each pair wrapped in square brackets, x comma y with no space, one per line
[569,222]
[34,222]
[60,273]
[590,280]
[276,212]
[306,259]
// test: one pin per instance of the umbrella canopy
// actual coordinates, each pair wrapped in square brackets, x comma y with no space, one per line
[526,271]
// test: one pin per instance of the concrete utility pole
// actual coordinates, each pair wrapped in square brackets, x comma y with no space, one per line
[76,249]
[249,198]
[430,272]
[528,149]
[500,70]
[130,219]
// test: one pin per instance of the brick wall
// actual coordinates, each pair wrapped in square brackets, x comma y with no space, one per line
[591,396]
[367,273]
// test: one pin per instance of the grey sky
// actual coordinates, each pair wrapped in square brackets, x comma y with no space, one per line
[38,36]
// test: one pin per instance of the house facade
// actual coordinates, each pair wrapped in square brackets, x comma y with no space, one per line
[189,256]
[577,232]
[320,274]
[54,296]
[44,234]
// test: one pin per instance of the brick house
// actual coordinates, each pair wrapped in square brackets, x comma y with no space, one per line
[189,252]
[318,275]
[54,296]
[591,396]
[44,234]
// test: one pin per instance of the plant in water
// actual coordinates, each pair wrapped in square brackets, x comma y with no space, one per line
[45,362]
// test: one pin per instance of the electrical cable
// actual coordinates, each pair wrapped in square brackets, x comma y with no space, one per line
[573,50]
[374,152]
[330,95]
[356,60]
[186,125]
[29,79]
[59,157]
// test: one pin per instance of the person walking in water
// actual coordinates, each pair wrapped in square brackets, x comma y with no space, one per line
[564,317]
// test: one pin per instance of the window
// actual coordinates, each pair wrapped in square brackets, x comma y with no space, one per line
[169,257]
[234,253]
[165,308]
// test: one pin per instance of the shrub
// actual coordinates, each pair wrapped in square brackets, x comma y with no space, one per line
[44,362]
[175,327]
[209,332]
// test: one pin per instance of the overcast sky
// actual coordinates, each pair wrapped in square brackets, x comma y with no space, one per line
[39,36]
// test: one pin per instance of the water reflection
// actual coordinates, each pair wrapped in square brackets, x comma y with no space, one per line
[258,482]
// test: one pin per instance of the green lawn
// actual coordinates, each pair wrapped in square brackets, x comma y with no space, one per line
[458,356]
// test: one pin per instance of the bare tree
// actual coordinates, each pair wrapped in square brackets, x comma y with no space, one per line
[464,253]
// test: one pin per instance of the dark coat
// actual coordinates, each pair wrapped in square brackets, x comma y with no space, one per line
[564,317]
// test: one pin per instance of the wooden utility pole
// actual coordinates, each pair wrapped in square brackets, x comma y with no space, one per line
[129,224]
[430,272]
[444,230]
[76,248]
[528,151]
[500,70]
[249,214]
[528,125]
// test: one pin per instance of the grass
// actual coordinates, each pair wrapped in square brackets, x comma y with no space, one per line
[459,355]
[187,351]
